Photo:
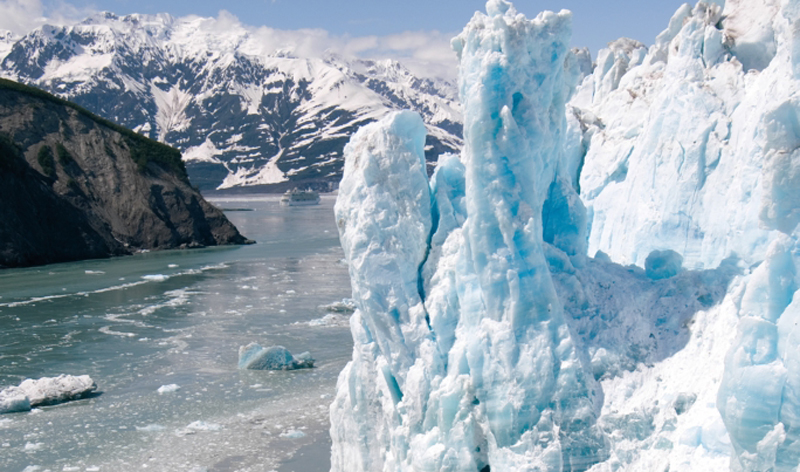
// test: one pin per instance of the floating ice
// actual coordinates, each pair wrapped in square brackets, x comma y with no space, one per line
[293,434]
[255,357]
[151,428]
[45,391]
[168,388]
[198,427]
[346,306]
[155,277]
[328,321]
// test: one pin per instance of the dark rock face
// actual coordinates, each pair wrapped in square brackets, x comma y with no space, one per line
[75,187]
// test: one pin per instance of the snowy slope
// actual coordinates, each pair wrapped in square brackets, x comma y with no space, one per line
[241,113]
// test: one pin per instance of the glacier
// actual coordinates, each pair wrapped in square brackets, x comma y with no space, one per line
[604,278]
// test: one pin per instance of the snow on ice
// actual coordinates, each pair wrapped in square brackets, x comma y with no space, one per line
[486,338]
[45,391]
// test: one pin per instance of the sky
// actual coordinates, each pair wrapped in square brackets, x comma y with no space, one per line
[418,30]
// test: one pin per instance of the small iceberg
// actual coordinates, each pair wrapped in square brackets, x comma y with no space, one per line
[293,434]
[45,391]
[255,357]
[345,307]
[168,388]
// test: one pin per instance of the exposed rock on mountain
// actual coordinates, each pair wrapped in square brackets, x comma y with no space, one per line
[241,114]
[74,186]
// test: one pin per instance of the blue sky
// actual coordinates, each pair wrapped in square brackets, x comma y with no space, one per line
[595,22]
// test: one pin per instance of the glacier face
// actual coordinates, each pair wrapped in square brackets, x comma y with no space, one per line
[488,339]
[463,358]
[695,123]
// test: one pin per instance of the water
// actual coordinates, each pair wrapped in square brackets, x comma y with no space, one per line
[137,323]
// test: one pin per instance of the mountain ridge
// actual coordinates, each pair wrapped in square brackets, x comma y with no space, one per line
[242,114]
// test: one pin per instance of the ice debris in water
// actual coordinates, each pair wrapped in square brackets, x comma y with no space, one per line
[45,391]
[255,357]
[168,388]
[198,427]
[151,428]
[293,434]
[345,306]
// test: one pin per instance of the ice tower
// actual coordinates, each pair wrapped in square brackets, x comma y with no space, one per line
[463,359]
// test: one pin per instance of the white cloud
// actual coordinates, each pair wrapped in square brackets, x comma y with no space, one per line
[21,16]
[425,53]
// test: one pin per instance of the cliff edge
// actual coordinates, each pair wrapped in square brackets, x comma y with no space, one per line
[75,186]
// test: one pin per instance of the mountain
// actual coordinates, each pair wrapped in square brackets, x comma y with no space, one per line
[74,186]
[241,114]
[606,278]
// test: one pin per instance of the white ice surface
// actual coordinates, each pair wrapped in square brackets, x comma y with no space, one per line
[486,336]
[44,391]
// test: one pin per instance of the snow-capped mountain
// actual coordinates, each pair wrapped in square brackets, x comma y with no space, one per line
[242,114]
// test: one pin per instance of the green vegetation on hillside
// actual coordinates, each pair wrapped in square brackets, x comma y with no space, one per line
[143,150]
[46,161]
[10,154]
[64,157]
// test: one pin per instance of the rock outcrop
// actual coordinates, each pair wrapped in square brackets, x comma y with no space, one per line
[74,186]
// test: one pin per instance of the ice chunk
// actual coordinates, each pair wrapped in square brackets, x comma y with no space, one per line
[663,264]
[155,277]
[345,307]
[45,391]
[168,388]
[151,428]
[255,357]
[293,434]
[198,427]
[13,400]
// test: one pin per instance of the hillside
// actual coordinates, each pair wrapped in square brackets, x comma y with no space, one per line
[75,186]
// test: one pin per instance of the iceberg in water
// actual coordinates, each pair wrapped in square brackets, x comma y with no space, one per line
[255,357]
[45,391]
[486,338]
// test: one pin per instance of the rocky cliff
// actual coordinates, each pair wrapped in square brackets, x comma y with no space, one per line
[74,186]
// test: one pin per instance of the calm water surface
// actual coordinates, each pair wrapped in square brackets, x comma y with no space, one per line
[137,323]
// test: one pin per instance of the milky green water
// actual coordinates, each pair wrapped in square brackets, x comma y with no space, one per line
[138,323]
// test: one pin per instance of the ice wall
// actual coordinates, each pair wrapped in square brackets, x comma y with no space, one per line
[699,130]
[691,147]
[463,358]
[487,339]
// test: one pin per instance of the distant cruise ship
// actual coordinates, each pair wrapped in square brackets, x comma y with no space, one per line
[297,197]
